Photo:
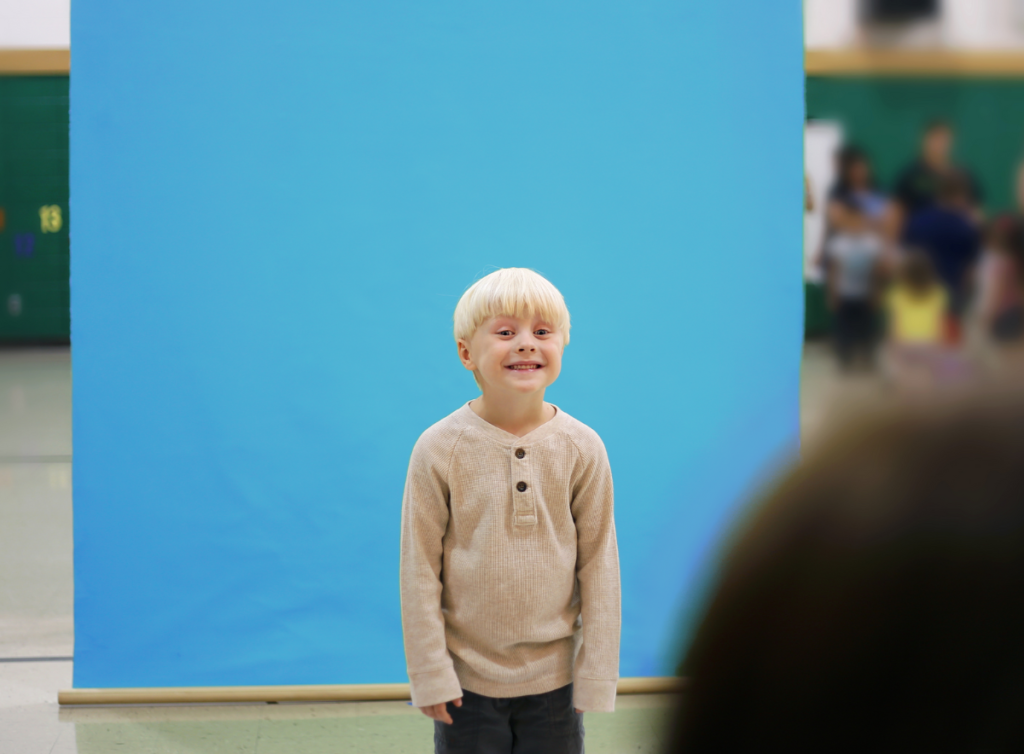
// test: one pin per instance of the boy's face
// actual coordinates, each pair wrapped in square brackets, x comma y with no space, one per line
[504,341]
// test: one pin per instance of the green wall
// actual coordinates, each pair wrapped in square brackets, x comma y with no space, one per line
[33,175]
[886,117]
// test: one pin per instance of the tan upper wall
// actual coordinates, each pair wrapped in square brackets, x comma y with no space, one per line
[34,62]
[937,63]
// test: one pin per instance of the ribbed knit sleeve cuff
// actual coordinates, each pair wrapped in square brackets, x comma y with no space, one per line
[434,687]
[591,695]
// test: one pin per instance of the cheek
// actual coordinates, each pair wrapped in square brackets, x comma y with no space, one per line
[495,356]
[554,355]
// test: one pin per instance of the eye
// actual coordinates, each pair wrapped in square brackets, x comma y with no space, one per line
[502,332]
[544,331]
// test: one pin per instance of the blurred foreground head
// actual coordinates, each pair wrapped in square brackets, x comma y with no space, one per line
[875,601]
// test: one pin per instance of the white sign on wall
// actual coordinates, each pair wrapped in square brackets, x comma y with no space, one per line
[822,139]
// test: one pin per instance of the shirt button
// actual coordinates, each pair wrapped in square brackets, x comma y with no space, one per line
[520,453]
[521,486]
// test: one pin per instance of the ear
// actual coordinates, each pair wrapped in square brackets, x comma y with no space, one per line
[464,357]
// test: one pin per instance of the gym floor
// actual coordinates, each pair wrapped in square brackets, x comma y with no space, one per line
[37,597]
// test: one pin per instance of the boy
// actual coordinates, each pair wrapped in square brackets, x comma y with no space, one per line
[855,257]
[509,564]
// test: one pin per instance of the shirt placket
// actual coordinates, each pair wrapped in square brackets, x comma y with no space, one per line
[524,509]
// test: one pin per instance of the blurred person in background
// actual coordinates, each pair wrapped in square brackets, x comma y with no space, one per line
[1010,322]
[872,603]
[1008,325]
[916,307]
[995,315]
[855,183]
[1019,189]
[918,185]
[948,235]
[854,262]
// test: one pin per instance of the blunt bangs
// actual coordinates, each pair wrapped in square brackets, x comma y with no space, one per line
[513,291]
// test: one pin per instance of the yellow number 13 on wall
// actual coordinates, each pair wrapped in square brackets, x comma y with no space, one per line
[49,218]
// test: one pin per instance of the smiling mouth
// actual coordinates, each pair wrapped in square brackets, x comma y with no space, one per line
[524,367]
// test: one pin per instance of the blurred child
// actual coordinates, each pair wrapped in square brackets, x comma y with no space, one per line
[917,305]
[854,255]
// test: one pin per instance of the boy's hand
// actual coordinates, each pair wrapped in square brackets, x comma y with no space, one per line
[439,712]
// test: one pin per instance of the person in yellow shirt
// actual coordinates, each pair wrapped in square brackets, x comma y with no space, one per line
[917,305]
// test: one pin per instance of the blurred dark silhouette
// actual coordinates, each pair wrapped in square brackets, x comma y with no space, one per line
[873,602]
[855,184]
[854,189]
[1008,321]
[898,11]
[946,232]
[997,309]
[917,186]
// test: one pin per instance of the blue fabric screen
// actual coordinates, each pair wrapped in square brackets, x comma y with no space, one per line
[275,207]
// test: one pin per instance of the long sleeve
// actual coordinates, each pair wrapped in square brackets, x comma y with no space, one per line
[424,521]
[509,569]
[597,569]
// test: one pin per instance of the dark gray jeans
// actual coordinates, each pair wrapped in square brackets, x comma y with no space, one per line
[534,724]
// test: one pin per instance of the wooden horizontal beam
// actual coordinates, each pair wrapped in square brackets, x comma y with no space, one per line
[35,62]
[866,62]
[914,63]
[350,693]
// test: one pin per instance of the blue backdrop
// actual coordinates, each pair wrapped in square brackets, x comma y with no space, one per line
[275,209]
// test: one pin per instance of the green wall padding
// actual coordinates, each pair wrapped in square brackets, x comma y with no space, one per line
[817,317]
[887,116]
[34,254]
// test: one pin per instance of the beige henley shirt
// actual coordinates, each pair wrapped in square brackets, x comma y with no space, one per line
[509,565]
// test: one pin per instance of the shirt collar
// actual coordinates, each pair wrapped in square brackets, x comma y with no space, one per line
[507,438]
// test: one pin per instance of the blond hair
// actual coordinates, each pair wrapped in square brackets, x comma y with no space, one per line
[515,292]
